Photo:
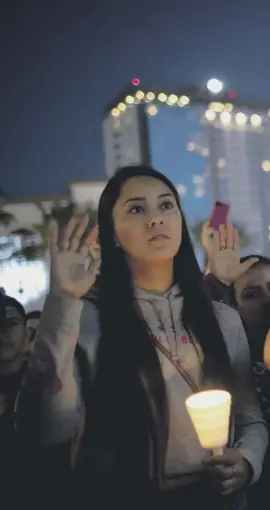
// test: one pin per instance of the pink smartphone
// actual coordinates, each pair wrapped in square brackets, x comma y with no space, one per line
[219,215]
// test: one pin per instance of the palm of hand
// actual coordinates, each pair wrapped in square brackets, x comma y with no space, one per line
[70,273]
[225,265]
[224,255]
[71,269]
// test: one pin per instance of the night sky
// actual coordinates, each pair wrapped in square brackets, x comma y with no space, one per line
[62,62]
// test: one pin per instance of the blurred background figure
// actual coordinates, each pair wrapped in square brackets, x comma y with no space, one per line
[252,295]
[32,322]
[14,342]
[14,351]
[244,283]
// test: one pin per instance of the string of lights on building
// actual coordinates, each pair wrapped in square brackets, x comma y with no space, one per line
[216,110]
[210,141]
[226,111]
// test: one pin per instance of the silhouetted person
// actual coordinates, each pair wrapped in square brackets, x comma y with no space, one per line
[14,351]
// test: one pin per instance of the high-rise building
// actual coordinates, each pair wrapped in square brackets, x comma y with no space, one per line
[213,148]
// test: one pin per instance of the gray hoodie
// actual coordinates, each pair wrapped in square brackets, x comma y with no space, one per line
[50,408]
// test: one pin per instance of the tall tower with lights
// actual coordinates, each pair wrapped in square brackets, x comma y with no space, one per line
[211,144]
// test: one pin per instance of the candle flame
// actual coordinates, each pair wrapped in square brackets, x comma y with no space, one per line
[208,399]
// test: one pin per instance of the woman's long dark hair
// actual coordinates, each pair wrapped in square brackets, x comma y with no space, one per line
[128,410]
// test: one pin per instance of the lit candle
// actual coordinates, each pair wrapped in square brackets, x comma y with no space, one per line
[266,353]
[210,414]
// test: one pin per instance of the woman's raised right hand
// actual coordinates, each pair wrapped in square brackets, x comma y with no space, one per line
[74,261]
[224,255]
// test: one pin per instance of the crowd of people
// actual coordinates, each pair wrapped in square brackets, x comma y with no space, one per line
[93,390]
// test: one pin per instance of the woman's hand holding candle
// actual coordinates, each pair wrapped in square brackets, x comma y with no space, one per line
[230,470]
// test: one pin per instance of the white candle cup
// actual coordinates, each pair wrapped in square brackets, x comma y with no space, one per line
[209,412]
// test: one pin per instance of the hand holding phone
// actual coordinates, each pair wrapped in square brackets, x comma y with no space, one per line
[219,215]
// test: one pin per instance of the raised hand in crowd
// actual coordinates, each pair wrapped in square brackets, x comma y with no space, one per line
[75,257]
[223,250]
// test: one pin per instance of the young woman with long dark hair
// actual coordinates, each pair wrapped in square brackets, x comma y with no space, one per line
[149,316]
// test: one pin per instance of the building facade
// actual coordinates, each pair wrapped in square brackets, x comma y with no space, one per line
[212,149]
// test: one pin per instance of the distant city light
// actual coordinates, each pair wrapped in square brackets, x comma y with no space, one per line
[135,82]
[183,101]
[152,109]
[255,120]
[199,192]
[122,107]
[129,99]
[191,147]
[162,97]
[241,119]
[216,107]
[205,152]
[139,94]
[197,179]
[182,190]
[228,107]
[172,99]
[215,86]
[150,96]
[221,163]
[210,115]
[232,94]
[115,112]
[266,165]
[199,185]
[225,118]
